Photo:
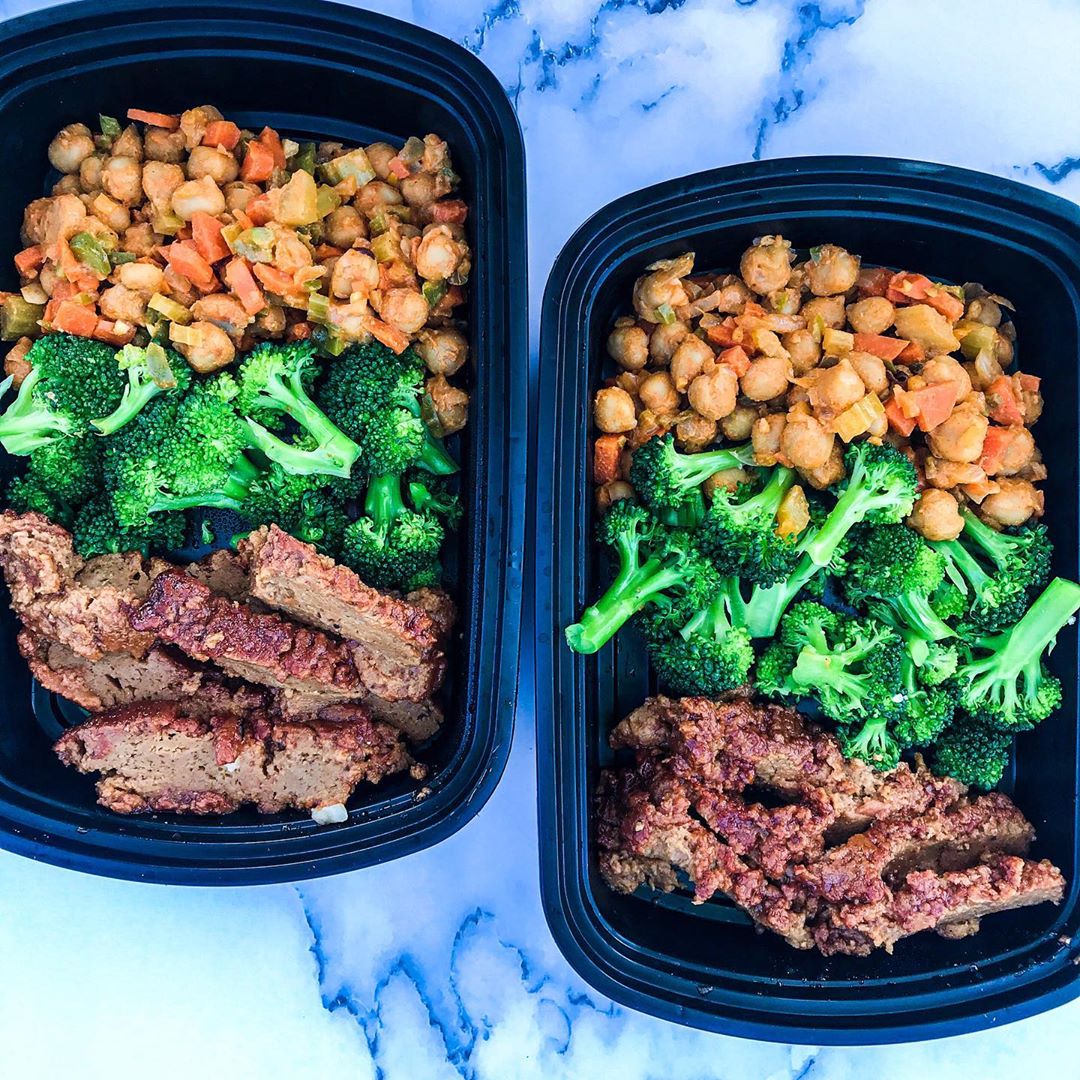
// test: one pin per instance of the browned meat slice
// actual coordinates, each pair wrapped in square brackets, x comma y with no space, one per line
[85,606]
[263,648]
[418,721]
[158,757]
[951,903]
[438,604]
[225,571]
[398,645]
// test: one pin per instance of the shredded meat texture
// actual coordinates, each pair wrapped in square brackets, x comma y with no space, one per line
[849,861]
[163,757]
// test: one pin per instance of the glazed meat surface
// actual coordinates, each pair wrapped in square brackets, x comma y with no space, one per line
[159,757]
[849,861]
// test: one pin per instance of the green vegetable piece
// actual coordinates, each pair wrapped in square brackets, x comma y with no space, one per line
[90,252]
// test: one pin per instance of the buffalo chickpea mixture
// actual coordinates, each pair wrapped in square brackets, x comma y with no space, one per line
[191,231]
[803,355]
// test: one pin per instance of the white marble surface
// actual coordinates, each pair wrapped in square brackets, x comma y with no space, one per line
[440,965]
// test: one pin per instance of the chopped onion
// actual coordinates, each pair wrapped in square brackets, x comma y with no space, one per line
[334,814]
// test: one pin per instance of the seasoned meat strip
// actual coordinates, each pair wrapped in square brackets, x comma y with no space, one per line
[158,757]
[265,649]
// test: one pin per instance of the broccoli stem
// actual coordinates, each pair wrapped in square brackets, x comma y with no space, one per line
[137,395]
[760,615]
[695,469]
[434,457]
[709,621]
[231,496]
[916,612]
[971,572]
[24,427]
[850,509]
[383,502]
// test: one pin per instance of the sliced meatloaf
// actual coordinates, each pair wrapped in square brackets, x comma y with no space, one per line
[85,606]
[156,756]
[263,648]
[418,721]
[398,645]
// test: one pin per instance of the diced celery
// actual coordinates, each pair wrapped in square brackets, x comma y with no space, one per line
[109,125]
[18,318]
[185,335]
[305,158]
[173,311]
[157,364]
[327,201]
[89,251]
[167,223]
[256,244]
[837,342]
[385,248]
[354,164]
[118,258]
[318,308]
[665,314]
[433,292]
[229,234]
[975,337]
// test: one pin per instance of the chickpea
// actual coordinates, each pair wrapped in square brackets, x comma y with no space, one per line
[628,345]
[766,265]
[944,369]
[71,146]
[830,309]
[871,370]
[122,304]
[15,363]
[194,122]
[439,255]
[1019,451]
[128,144]
[657,392]
[688,361]
[738,423]
[936,515]
[121,177]
[68,185]
[766,378]
[804,442]
[270,322]
[1015,503]
[725,480]
[214,351]
[804,351]
[344,227]
[926,327]
[213,161]
[451,404]
[419,191]
[612,492]
[404,309]
[765,438]
[662,285]
[195,195]
[785,301]
[960,437]
[832,472]
[90,173]
[694,433]
[984,310]
[664,340]
[443,350]
[224,311]
[950,474]
[139,240]
[836,388]
[1031,401]
[631,381]
[237,194]
[380,154]
[714,395]
[733,295]
[141,277]
[162,145]
[831,270]
[874,315]
[355,272]
[33,224]
[65,217]
[613,410]
[375,195]
[48,278]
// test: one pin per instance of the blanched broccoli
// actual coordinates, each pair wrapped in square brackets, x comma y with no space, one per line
[1024,552]
[273,382]
[1004,683]
[150,371]
[72,381]
[665,478]
[972,752]
[60,477]
[872,742]
[926,708]
[96,531]
[302,505]
[429,494]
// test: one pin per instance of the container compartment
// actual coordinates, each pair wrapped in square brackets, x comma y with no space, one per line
[706,966]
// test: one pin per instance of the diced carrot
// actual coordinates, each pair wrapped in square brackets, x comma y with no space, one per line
[29,261]
[185,260]
[155,119]
[223,133]
[450,212]
[65,290]
[1001,402]
[398,168]
[978,490]
[918,288]
[452,298]
[725,333]
[108,332]
[873,282]
[240,282]
[258,163]
[886,348]
[1028,382]
[753,310]
[270,138]
[913,353]
[736,359]
[936,403]
[242,219]
[995,443]
[606,453]
[261,209]
[277,281]
[386,334]
[206,233]
[71,317]
[299,331]
[328,251]
[50,311]
[901,424]
[943,301]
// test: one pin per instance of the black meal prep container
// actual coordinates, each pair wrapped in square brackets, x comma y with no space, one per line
[320,71]
[706,966]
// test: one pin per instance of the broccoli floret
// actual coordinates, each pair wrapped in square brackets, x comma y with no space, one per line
[996,598]
[926,710]
[300,504]
[429,495]
[25,493]
[740,533]
[273,381]
[948,601]
[772,673]
[707,657]
[1004,683]
[150,371]
[376,397]
[391,546]
[96,531]
[973,753]
[60,477]
[939,664]
[655,564]
[1024,552]
[664,478]
[873,743]
[72,381]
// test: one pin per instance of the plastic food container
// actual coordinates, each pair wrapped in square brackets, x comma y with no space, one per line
[321,71]
[706,966]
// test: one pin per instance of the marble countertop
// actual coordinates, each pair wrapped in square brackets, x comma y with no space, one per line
[441,965]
